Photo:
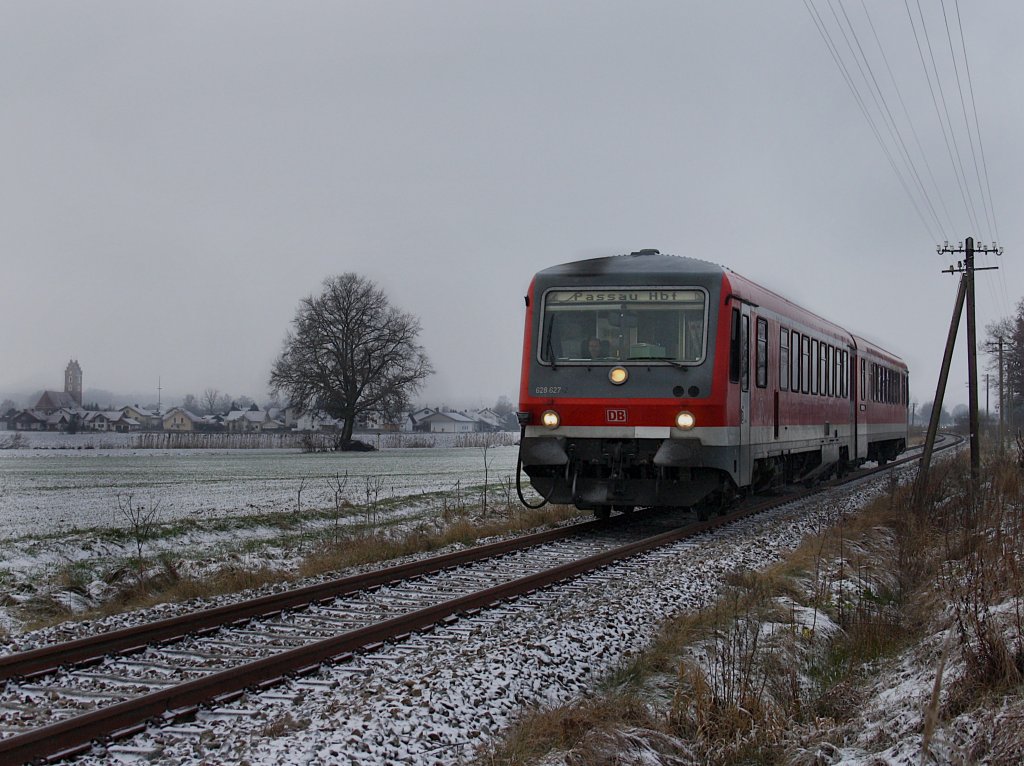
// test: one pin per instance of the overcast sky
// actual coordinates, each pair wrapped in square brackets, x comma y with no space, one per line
[175,177]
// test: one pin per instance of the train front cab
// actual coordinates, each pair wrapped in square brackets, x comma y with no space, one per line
[645,423]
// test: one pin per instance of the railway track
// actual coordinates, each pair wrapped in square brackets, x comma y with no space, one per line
[57,700]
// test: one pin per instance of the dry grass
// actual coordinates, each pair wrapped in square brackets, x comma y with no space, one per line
[163,583]
[888,577]
[373,547]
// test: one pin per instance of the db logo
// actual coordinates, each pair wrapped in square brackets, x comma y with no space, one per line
[616,416]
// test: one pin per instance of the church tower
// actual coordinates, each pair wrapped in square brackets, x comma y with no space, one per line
[73,381]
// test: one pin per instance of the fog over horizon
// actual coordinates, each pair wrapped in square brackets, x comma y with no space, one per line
[177,177]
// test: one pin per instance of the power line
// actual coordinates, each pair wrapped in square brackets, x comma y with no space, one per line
[977,127]
[882,104]
[967,122]
[844,71]
[910,121]
[965,190]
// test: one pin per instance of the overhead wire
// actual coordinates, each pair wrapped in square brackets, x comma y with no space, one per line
[977,126]
[883,107]
[958,165]
[906,166]
[1008,308]
[844,71]
[967,122]
[906,113]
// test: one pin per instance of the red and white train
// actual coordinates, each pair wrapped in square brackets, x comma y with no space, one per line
[657,380]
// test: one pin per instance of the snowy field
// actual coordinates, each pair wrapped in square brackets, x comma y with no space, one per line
[44,491]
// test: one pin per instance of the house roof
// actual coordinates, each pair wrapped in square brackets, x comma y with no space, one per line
[253,416]
[55,400]
[457,417]
[141,410]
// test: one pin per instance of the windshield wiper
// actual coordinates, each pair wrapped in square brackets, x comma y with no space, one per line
[670,360]
[549,348]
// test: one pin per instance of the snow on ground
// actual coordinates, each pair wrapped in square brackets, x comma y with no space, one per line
[238,508]
[436,698]
[54,491]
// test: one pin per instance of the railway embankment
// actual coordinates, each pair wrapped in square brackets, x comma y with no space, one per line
[894,636]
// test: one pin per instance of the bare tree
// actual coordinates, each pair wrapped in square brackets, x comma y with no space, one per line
[372,486]
[337,486]
[209,400]
[141,520]
[351,353]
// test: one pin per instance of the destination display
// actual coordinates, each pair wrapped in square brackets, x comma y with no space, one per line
[592,297]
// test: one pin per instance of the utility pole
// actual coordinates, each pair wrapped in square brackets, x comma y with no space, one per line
[1002,401]
[967,268]
[940,392]
[986,398]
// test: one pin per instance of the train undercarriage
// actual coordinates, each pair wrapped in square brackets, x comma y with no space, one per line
[602,475]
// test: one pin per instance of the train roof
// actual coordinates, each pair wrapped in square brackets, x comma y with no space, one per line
[650,263]
[653,264]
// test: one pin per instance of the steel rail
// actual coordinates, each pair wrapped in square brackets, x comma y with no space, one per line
[75,735]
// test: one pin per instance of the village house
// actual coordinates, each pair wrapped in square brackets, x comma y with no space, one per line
[145,418]
[450,423]
[110,420]
[413,421]
[251,421]
[180,419]
[29,420]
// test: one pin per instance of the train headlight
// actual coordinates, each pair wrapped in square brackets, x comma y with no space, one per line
[618,375]
[685,421]
[550,419]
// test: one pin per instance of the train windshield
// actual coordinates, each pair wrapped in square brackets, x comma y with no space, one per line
[620,325]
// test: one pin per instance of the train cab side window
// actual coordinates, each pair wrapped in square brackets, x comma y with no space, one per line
[783,359]
[734,348]
[863,377]
[761,370]
[844,377]
[744,353]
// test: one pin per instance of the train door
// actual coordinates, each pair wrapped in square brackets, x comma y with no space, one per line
[745,464]
[860,414]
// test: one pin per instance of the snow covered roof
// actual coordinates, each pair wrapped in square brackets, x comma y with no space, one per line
[457,417]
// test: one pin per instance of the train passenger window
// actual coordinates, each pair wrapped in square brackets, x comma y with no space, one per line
[830,371]
[823,369]
[805,364]
[814,366]
[734,347]
[783,359]
[833,366]
[794,350]
[761,370]
[744,353]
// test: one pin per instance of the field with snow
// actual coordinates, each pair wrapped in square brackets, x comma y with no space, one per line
[46,491]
